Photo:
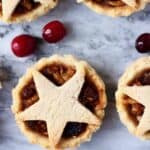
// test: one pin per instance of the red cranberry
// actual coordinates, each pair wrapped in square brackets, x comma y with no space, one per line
[54,31]
[23,45]
[143,43]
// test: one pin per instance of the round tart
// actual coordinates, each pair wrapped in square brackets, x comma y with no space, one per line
[133,97]
[115,8]
[24,10]
[59,102]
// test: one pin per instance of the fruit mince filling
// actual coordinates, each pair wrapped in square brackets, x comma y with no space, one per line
[135,109]
[59,74]
[25,6]
[111,3]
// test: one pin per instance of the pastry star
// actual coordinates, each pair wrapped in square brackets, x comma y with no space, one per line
[9,6]
[58,105]
[142,95]
[131,3]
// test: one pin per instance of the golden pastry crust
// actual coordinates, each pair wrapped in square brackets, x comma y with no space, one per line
[131,72]
[114,11]
[68,60]
[33,14]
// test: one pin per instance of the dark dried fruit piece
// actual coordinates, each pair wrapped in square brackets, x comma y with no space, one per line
[73,129]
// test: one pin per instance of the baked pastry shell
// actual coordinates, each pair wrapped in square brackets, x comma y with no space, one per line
[114,11]
[72,142]
[131,72]
[33,14]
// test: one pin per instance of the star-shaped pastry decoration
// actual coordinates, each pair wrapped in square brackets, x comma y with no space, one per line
[9,6]
[131,3]
[142,95]
[58,105]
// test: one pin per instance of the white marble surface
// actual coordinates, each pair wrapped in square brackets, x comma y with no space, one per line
[108,44]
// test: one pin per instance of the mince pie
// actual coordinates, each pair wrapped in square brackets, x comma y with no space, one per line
[59,102]
[24,10]
[115,8]
[133,98]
